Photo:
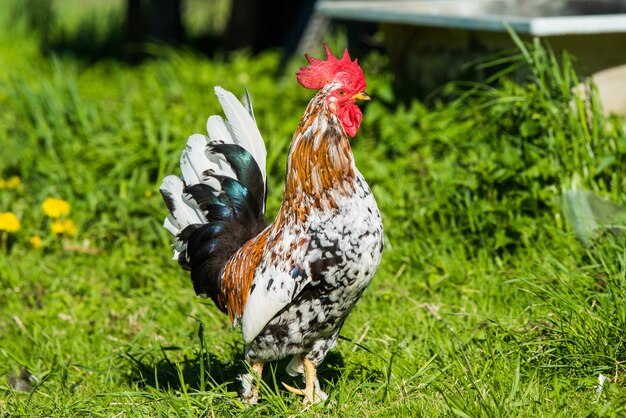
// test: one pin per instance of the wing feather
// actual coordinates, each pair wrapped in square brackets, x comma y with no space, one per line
[273,290]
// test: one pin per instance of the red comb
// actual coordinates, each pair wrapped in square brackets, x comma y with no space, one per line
[321,72]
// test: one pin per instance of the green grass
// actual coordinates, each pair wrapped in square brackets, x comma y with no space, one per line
[485,304]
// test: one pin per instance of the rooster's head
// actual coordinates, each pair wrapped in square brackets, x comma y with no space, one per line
[347,85]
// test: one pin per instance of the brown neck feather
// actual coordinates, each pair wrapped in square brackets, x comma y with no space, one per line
[320,167]
[320,170]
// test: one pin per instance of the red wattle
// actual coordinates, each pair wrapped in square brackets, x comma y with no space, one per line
[351,118]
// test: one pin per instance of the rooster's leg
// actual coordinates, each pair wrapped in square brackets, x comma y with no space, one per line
[312,392]
[250,383]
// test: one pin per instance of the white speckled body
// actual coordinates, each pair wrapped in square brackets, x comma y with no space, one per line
[342,252]
[323,249]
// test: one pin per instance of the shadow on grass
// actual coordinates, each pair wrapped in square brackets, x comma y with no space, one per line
[165,374]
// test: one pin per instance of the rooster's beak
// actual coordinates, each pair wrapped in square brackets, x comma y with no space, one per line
[361,96]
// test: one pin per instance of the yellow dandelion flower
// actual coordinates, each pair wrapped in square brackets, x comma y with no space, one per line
[58,227]
[2,184]
[55,208]
[9,222]
[13,182]
[70,227]
[35,241]
[67,227]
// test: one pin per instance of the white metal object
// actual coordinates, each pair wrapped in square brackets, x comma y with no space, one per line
[532,17]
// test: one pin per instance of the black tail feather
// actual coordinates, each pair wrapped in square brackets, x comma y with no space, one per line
[246,169]
[241,200]
[234,215]
[204,195]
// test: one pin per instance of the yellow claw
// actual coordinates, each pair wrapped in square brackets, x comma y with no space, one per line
[294,390]
[312,392]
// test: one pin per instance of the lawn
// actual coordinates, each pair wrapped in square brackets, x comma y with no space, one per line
[494,298]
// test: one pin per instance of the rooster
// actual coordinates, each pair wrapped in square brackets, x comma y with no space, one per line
[291,284]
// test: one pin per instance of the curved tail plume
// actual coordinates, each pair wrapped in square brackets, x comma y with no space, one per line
[218,203]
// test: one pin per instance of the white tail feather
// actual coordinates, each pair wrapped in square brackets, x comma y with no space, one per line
[218,133]
[183,214]
[243,128]
[189,201]
[197,159]
[202,160]
[171,225]
[189,174]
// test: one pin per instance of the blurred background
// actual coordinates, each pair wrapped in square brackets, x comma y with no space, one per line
[118,28]
[428,43]
[105,28]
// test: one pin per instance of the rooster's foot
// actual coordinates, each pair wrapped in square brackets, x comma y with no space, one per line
[250,384]
[312,392]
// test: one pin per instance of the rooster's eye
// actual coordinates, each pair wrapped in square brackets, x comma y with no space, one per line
[341,92]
